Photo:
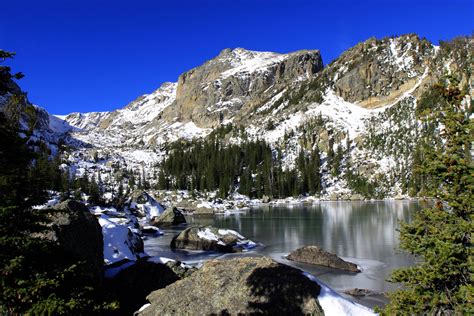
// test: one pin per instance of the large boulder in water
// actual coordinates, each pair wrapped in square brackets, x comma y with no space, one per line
[318,256]
[211,238]
[78,233]
[171,216]
[242,286]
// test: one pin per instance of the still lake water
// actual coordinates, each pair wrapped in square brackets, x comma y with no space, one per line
[361,232]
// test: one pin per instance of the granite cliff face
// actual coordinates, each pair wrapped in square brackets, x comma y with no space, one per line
[236,80]
[376,72]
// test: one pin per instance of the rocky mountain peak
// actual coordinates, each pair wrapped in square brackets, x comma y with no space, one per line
[376,72]
[217,90]
[165,92]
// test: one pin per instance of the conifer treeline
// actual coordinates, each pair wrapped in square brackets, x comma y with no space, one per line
[252,168]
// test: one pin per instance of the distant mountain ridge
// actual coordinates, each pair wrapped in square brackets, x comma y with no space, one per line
[369,92]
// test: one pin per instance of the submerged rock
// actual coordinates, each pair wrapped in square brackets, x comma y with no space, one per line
[171,216]
[250,285]
[318,256]
[210,238]
[204,211]
[361,292]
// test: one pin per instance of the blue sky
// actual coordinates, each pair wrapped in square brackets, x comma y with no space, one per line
[99,55]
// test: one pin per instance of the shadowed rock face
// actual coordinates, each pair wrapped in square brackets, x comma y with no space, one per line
[171,216]
[248,285]
[79,234]
[132,284]
[318,256]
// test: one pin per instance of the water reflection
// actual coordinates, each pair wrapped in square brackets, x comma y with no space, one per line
[363,232]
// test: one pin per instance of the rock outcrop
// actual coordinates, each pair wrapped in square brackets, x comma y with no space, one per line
[143,205]
[221,87]
[211,239]
[171,216]
[78,233]
[239,286]
[317,256]
[377,72]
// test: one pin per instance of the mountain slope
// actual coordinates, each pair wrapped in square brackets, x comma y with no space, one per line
[362,105]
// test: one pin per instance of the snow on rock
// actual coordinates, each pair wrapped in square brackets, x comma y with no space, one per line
[58,125]
[152,229]
[148,206]
[334,304]
[207,234]
[245,61]
[52,201]
[121,239]
[219,235]
[145,306]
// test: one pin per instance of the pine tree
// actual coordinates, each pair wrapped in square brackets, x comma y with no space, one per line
[37,277]
[442,283]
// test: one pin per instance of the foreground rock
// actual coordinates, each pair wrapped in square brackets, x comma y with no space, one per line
[211,239]
[78,233]
[239,286]
[318,256]
[170,217]
[132,284]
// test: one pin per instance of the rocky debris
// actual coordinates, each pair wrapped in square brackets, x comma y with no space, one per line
[211,239]
[170,217]
[361,292]
[317,256]
[132,284]
[78,233]
[180,269]
[250,285]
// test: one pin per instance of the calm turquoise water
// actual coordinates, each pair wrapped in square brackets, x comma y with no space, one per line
[361,232]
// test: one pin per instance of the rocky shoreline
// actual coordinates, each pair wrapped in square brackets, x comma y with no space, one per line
[132,275]
[209,204]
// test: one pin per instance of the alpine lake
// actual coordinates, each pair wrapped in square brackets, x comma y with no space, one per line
[362,232]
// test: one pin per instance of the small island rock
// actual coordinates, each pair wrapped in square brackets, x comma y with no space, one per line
[317,256]
[212,239]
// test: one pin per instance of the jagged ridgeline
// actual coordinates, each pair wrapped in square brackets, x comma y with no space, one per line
[262,123]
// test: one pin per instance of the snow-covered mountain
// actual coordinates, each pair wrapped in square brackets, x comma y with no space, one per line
[365,99]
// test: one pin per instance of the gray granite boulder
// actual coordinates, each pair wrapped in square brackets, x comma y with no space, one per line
[242,286]
[317,256]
